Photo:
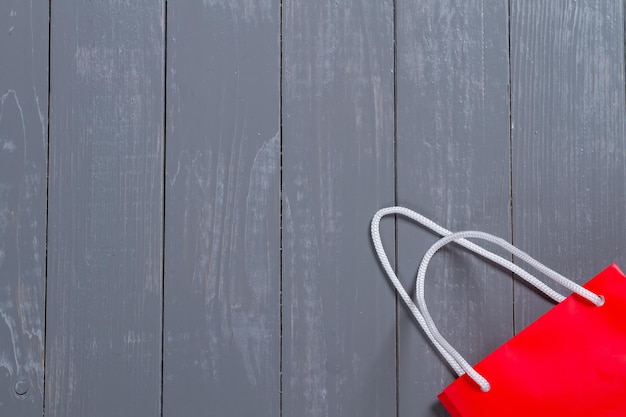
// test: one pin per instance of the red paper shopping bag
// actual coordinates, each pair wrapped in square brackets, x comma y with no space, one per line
[570,362]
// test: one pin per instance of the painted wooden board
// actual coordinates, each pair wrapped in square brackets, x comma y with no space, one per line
[222,279]
[453,167]
[338,310]
[103,345]
[569,150]
[23,173]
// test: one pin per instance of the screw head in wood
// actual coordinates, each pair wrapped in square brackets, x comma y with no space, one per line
[21,387]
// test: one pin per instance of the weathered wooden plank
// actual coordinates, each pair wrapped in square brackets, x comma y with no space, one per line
[338,327]
[103,346]
[222,288]
[453,167]
[23,173]
[569,151]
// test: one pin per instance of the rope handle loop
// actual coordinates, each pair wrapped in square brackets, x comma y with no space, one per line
[420,312]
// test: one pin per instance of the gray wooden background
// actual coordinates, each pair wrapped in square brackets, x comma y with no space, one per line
[186,188]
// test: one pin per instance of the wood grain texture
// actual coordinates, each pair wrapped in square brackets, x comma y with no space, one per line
[569,153]
[23,170]
[338,327]
[453,167]
[222,289]
[103,353]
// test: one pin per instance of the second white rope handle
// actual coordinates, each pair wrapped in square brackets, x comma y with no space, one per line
[420,312]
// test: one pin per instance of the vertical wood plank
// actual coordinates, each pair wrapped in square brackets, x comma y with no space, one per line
[569,151]
[453,167]
[23,173]
[338,327]
[103,353]
[222,288]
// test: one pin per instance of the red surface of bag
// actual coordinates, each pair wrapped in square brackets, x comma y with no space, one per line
[570,362]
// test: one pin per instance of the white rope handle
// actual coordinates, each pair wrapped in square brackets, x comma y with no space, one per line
[378,245]
[421,301]
[421,314]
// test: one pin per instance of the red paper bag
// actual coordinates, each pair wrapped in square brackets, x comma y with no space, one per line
[570,362]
